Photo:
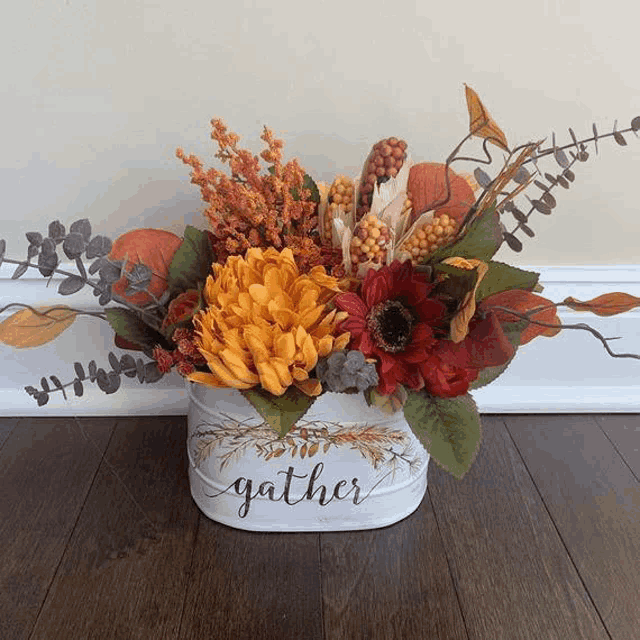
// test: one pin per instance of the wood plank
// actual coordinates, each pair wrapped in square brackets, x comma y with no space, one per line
[126,569]
[47,466]
[594,500]
[390,583]
[7,425]
[510,568]
[253,585]
[623,429]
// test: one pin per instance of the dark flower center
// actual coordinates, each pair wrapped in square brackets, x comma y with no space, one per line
[390,324]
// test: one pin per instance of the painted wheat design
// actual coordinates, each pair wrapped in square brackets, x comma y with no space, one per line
[377,444]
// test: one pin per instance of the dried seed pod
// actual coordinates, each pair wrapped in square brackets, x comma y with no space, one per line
[340,193]
[370,242]
[383,162]
[428,237]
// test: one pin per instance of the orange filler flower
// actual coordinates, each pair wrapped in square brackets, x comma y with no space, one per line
[265,324]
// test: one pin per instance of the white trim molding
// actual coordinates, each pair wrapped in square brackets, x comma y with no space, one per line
[571,372]
[568,373]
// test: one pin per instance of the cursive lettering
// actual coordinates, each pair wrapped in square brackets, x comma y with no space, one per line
[314,490]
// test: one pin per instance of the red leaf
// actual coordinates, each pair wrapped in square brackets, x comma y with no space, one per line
[122,343]
[523,302]
[487,343]
[151,247]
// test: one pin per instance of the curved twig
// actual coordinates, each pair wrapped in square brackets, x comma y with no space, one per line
[488,160]
[95,314]
[581,325]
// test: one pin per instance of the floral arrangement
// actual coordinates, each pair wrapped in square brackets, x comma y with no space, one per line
[384,284]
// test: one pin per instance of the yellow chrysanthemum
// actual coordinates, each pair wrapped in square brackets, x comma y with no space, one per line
[266,324]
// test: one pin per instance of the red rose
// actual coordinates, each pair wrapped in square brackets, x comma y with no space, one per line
[452,367]
[443,377]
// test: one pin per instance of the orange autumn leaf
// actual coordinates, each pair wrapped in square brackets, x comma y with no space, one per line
[152,247]
[608,304]
[33,328]
[481,123]
[523,302]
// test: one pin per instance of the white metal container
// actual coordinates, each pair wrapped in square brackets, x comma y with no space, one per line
[344,465]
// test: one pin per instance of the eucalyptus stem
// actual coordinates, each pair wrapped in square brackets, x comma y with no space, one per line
[54,270]
[550,150]
[150,319]
[153,320]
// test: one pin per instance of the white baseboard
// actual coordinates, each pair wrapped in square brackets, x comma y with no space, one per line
[501,398]
[570,373]
[149,401]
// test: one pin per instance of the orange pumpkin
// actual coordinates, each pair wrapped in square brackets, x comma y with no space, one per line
[427,187]
[152,247]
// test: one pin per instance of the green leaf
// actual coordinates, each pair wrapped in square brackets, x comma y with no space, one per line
[504,277]
[191,263]
[310,184]
[280,412]
[130,326]
[481,240]
[449,428]
[512,330]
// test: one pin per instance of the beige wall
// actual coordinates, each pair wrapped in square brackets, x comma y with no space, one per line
[96,95]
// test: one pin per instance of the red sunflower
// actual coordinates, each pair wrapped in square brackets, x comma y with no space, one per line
[392,320]
[395,321]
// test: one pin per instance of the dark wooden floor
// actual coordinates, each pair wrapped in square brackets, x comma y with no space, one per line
[99,538]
